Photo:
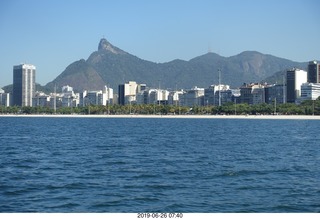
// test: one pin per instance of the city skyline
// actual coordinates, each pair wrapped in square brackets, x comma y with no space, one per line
[154,31]
[298,89]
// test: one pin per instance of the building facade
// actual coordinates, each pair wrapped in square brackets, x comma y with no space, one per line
[41,99]
[258,95]
[24,84]
[314,72]
[275,92]
[193,97]
[295,78]
[174,97]
[4,98]
[101,97]
[253,93]
[310,91]
[217,95]
[153,96]
[128,92]
[69,98]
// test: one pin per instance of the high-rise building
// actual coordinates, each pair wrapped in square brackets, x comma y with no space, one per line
[24,84]
[314,72]
[127,92]
[295,78]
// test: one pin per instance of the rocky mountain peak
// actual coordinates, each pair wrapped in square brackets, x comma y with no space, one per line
[111,65]
[104,45]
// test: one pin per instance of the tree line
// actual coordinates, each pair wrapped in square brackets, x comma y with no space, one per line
[307,107]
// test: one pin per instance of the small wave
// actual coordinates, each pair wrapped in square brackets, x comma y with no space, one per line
[19,192]
[146,199]
[174,207]
[232,173]
[65,207]
[287,208]
[107,203]
[160,186]
[75,185]
[18,137]
[145,176]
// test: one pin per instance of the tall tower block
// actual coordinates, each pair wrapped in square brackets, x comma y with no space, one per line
[314,72]
[295,78]
[24,84]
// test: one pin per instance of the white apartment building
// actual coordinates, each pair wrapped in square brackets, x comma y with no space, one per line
[41,99]
[69,98]
[128,92]
[152,96]
[100,97]
[309,91]
[109,94]
[174,97]
[217,95]
[193,97]
[4,98]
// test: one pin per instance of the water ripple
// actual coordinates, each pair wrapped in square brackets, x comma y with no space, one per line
[158,165]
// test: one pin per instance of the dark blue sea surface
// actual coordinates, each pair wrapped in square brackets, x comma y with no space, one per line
[159,165]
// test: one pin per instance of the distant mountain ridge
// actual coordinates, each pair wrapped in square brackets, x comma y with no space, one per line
[112,66]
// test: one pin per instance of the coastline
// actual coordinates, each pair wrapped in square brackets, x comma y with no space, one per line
[272,117]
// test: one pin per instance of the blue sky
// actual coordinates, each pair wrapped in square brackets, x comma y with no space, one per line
[53,34]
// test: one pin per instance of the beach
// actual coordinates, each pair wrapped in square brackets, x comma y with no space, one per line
[283,117]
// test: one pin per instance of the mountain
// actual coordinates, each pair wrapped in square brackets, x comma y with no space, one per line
[112,66]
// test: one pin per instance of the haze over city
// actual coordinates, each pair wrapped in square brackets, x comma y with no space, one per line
[53,34]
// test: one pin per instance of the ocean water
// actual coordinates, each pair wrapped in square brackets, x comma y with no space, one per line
[159,165]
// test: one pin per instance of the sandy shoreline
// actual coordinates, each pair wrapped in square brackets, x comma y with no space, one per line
[297,117]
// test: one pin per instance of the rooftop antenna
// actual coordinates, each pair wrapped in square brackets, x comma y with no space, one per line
[284,88]
[219,86]
[176,92]
[55,99]
[159,93]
